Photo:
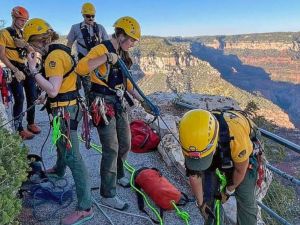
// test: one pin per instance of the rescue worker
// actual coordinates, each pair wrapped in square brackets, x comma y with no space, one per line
[60,85]
[13,50]
[87,35]
[224,141]
[109,89]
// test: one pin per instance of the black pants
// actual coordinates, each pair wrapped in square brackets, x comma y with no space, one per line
[17,89]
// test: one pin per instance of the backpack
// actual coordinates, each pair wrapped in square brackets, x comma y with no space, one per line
[159,189]
[143,138]
[223,154]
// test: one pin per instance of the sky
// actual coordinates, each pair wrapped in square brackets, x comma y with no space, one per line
[170,17]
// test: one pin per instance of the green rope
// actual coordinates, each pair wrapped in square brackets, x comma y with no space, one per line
[223,183]
[132,171]
[56,134]
[184,215]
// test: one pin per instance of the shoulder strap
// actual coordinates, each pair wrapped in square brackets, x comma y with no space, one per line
[86,37]
[96,33]
[109,46]
[12,32]
[224,140]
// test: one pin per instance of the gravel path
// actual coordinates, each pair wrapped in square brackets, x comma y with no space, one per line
[92,159]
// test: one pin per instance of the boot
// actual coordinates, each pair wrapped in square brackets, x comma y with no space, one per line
[115,203]
[78,217]
[26,135]
[34,128]
[124,182]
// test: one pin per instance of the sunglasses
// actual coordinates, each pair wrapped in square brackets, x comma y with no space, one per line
[89,16]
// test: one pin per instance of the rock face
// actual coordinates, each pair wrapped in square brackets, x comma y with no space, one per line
[279,58]
[174,67]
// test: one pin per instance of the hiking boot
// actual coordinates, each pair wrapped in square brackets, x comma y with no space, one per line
[26,135]
[78,217]
[124,182]
[34,128]
[114,202]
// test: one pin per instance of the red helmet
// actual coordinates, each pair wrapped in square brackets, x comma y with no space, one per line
[20,12]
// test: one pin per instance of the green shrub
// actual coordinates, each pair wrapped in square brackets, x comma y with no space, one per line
[13,171]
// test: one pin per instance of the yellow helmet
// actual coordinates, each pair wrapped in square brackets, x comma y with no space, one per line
[36,26]
[130,26]
[88,9]
[198,133]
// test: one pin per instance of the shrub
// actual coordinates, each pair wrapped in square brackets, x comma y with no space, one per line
[13,171]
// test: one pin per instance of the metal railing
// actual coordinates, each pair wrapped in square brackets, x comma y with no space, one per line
[279,182]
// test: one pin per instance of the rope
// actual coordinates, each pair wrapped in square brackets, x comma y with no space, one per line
[43,145]
[18,116]
[58,194]
[132,171]
[122,212]
[184,215]
[126,72]
[56,134]
[218,205]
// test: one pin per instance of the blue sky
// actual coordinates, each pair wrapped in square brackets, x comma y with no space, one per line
[171,17]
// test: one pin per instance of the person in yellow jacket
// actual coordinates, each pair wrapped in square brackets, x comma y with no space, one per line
[13,50]
[109,86]
[60,85]
[222,141]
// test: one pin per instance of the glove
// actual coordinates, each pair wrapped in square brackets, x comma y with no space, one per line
[146,107]
[206,211]
[112,58]
[19,75]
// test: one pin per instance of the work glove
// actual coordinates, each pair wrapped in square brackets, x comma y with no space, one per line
[206,211]
[146,107]
[19,75]
[112,58]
